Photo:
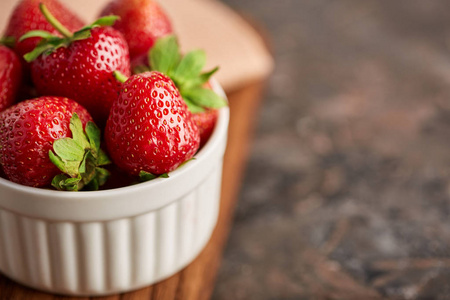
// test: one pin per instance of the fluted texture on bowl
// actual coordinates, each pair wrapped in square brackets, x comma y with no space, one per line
[94,258]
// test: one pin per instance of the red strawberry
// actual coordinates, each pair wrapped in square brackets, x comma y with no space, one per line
[142,22]
[30,129]
[205,122]
[27,16]
[80,65]
[150,129]
[10,77]
[27,132]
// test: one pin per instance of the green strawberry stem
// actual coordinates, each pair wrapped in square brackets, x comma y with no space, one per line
[186,72]
[8,41]
[51,42]
[146,176]
[119,76]
[54,22]
[79,158]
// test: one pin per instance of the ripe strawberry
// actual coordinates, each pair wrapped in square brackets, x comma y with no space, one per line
[80,66]
[27,16]
[10,77]
[185,71]
[205,122]
[141,22]
[150,129]
[29,130]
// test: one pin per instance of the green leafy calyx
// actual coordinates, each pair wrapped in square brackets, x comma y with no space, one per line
[50,42]
[146,176]
[79,158]
[186,73]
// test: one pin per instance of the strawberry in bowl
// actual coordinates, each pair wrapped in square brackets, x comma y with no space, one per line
[27,16]
[142,22]
[44,137]
[80,65]
[10,77]
[150,129]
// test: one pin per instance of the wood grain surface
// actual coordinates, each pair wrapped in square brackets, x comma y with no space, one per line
[196,281]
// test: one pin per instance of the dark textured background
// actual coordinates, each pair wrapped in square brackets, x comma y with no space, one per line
[346,195]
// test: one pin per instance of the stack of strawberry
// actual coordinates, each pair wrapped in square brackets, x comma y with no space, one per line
[123,73]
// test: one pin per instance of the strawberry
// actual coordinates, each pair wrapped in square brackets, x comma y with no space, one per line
[30,130]
[142,22]
[186,73]
[205,122]
[27,16]
[80,66]
[150,131]
[10,77]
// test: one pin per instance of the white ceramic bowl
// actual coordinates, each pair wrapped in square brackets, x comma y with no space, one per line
[105,242]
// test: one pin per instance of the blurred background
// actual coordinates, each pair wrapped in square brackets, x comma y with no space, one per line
[346,194]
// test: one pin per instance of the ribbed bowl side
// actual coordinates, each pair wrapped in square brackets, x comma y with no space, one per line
[99,258]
